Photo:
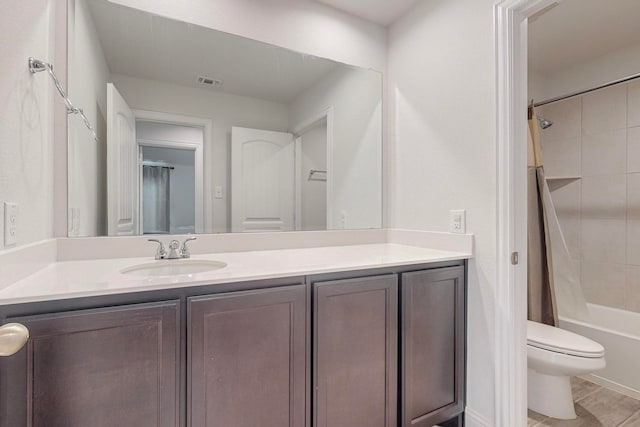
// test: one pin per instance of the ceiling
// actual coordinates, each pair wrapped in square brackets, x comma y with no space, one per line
[138,44]
[379,11]
[576,31]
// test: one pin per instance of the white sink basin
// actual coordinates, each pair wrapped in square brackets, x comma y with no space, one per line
[178,267]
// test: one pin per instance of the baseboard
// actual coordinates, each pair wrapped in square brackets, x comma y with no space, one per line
[612,385]
[474,419]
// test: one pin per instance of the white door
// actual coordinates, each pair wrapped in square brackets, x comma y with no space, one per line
[262,180]
[122,166]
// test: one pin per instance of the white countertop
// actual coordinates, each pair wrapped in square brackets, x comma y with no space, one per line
[72,279]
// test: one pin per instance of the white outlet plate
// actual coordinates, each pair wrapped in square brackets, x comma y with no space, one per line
[458,221]
[343,219]
[10,224]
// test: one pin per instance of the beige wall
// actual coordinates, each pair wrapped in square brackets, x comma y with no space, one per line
[597,137]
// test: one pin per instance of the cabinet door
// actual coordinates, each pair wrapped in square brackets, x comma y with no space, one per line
[247,360]
[114,367]
[432,346]
[355,364]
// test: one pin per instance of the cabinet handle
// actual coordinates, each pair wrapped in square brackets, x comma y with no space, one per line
[13,336]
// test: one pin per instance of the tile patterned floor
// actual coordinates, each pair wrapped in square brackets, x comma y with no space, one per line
[596,406]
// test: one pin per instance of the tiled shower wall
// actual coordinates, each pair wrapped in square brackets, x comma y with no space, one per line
[595,142]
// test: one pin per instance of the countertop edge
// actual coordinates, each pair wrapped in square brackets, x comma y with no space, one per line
[295,271]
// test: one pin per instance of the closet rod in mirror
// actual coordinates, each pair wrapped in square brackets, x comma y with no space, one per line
[36,66]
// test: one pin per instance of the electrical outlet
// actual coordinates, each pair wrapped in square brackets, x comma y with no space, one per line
[343,219]
[458,222]
[10,223]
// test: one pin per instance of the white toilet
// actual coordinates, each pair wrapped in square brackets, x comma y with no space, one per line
[553,357]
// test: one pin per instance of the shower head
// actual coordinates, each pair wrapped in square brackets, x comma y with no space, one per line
[544,123]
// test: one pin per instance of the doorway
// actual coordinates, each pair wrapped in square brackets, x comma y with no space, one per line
[168,190]
[169,154]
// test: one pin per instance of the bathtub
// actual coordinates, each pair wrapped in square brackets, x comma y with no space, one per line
[619,332]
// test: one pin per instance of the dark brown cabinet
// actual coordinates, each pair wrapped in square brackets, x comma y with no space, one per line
[247,358]
[342,350]
[112,367]
[432,346]
[355,363]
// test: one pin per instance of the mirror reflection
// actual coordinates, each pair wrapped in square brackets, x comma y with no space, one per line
[200,131]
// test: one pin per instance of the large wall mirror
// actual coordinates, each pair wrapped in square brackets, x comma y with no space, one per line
[200,131]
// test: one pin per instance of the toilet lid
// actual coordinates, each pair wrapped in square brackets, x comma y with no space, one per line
[560,341]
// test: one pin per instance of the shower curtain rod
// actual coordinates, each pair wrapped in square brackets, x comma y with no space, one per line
[582,92]
[158,166]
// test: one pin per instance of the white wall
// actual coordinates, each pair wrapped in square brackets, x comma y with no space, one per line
[443,153]
[87,88]
[314,191]
[301,25]
[355,95]
[225,110]
[593,73]
[26,118]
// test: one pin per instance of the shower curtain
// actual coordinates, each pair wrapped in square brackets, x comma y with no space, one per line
[541,293]
[155,201]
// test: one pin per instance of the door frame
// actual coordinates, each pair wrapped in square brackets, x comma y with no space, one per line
[511,26]
[298,130]
[206,125]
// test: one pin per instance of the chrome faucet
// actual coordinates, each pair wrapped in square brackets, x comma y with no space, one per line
[173,252]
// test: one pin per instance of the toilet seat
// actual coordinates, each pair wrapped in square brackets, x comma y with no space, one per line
[558,340]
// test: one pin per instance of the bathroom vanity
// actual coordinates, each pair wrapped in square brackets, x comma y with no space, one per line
[348,347]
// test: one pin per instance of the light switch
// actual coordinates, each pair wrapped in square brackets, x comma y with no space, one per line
[458,222]
[10,224]
[218,192]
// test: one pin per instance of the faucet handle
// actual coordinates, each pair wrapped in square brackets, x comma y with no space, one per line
[161,252]
[184,251]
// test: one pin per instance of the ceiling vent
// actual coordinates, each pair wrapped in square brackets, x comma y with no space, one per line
[209,82]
